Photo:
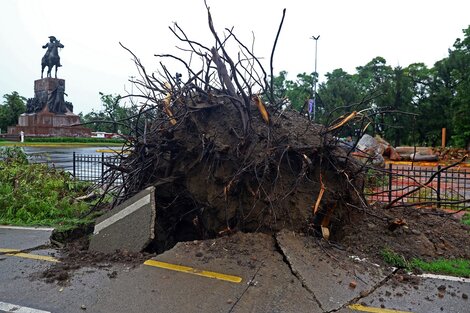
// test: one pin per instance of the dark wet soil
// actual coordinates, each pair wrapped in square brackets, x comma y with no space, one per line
[427,234]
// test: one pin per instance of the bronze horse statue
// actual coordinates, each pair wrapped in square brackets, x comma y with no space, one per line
[51,58]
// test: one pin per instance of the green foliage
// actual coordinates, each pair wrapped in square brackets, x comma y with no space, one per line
[34,194]
[466,219]
[108,119]
[13,155]
[10,110]
[375,180]
[455,267]
[337,94]
[297,92]
[394,259]
[459,60]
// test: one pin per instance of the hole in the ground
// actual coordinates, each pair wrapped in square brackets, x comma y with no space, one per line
[177,220]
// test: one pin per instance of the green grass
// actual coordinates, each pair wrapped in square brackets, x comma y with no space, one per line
[394,259]
[455,267]
[466,219]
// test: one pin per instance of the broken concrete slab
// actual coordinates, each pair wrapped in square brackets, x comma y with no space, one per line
[130,226]
[267,282]
[24,238]
[333,278]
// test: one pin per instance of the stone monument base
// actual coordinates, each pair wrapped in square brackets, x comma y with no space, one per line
[48,115]
[46,124]
[44,131]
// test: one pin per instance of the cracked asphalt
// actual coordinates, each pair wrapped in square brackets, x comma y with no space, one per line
[239,273]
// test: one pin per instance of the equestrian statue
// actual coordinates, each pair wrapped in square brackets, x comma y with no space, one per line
[51,58]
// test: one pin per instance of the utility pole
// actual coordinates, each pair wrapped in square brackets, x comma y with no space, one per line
[315,78]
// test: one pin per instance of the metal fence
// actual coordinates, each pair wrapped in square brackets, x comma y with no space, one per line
[447,188]
[94,168]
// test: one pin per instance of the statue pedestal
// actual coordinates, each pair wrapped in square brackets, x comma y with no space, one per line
[40,121]
[47,85]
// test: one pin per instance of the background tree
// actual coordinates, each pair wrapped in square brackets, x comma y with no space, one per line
[459,60]
[408,105]
[338,95]
[13,105]
[107,119]
[296,92]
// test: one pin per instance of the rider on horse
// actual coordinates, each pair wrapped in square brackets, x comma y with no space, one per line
[50,45]
[51,58]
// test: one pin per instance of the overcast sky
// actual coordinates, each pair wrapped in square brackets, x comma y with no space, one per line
[351,34]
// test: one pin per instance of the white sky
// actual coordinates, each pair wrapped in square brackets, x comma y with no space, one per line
[352,33]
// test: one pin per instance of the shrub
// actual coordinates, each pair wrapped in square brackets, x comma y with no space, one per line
[34,194]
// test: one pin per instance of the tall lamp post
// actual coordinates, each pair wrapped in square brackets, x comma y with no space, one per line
[131,79]
[315,75]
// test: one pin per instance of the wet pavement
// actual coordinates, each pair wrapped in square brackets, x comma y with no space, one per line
[239,273]
[61,157]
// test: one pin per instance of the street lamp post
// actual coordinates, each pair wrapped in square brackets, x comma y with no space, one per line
[315,75]
[131,79]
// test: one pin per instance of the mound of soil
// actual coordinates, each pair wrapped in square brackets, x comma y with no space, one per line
[427,234]
[211,177]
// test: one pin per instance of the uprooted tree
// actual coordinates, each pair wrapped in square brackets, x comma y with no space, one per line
[223,154]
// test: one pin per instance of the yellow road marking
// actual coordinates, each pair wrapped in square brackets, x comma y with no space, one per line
[17,253]
[6,250]
[190,270]
[359,307]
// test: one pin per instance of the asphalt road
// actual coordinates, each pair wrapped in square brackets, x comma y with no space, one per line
[241,273]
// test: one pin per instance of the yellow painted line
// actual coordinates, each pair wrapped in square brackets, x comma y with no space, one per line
[193,271]
[359,307]
[17,253]
[6,250]
[34,257]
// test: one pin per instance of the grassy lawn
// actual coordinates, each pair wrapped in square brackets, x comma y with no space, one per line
[455,267]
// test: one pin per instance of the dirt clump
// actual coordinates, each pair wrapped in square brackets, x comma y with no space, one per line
[427,234]
[75,255]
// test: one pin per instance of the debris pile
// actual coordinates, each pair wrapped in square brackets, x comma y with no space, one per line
[376,150]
